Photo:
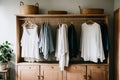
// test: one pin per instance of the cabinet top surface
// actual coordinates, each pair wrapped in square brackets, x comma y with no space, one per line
[62,15]
[25,63]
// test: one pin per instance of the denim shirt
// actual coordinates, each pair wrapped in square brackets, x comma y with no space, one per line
[46,40]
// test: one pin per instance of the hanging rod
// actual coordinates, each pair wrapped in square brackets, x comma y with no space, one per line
[36,19]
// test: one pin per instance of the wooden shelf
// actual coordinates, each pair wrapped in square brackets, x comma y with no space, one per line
[26,63]
[73,17]
[63,15]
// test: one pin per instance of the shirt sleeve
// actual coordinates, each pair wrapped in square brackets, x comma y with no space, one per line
[23,35]
[100,45]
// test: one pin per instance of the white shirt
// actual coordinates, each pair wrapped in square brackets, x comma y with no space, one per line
[91,42]
[29,43]
[62,50]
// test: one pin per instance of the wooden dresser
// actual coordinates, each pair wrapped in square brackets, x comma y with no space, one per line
[51,71]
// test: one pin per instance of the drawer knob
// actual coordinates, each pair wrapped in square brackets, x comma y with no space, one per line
[52,67]
[29,67]
[98,67]
[89,77]
[38,77]
[42,78]
[85,76]
[75,67]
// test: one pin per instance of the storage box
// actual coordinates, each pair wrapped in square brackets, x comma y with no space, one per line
[29,9]
[91,10]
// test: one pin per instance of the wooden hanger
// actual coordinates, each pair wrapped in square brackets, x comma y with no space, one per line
[89,21]
[27,23]
[71,23]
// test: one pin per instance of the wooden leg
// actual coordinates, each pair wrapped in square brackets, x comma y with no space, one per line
[5,76]
[8,75]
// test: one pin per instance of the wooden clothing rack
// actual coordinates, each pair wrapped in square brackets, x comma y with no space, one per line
[66,17]
[87,70]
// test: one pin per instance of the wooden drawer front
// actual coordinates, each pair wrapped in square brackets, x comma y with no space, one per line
[50,72]
[97,72]
[99,67]
[28,72]
[50,67]
[75,68]
[29,67]
[75,72]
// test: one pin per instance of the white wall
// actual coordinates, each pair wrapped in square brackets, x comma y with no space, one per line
[8,9]
[116,4]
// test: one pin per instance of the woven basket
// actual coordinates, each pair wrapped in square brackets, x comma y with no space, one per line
[91,10]
[29,9]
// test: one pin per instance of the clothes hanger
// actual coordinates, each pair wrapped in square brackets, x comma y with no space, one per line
[71,23]
[59,22]
[28,24]
[47,21]
[90,21]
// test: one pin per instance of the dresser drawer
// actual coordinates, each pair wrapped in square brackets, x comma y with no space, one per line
[50,67]
[76,68]
[28,67]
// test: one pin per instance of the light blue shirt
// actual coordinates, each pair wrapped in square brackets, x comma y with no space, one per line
[46,40]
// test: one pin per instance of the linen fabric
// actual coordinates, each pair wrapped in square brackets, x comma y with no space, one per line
[91,42]
[29,43]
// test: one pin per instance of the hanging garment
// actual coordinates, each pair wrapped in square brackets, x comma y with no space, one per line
[46,40]
[72,38]
[105,38]
[29,43]
[62,50]
[91,42]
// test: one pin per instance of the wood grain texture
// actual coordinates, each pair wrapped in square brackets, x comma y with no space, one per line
[117,45]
